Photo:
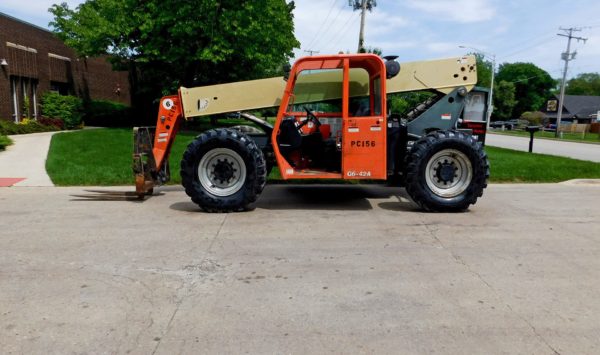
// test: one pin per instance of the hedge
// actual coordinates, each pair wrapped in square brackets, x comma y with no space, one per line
[26,126]
[103,113]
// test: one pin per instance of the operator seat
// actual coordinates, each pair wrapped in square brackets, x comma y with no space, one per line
[289,138]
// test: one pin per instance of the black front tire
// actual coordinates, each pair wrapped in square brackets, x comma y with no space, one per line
[446,171]
[237,181]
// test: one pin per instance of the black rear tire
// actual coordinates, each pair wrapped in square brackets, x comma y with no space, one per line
[446,171]
[223,170]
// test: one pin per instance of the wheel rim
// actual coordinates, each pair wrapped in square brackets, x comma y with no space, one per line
[449,172]
[222,172]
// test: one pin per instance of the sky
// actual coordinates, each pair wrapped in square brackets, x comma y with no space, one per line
[511,30]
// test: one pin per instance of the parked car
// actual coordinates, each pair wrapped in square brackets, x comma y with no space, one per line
[518,123]
[499,124]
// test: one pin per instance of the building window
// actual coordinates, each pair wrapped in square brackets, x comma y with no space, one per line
[24,97]
[15,98]
[59,88]
[34,99]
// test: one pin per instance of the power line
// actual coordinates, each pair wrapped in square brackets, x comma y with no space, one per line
[341,34]
[329,26]
[322,23]
[331,36]
[532,77]
[311,52]
[536,44]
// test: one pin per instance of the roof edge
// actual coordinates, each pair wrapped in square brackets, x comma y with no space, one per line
[24,22]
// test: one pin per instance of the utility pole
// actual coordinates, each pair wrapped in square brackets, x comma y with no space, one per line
[361,34]
[566,56]
[363,6]
[311,52]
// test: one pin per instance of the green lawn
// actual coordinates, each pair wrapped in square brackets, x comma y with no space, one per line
[103,157]
[513,166]
[577,137]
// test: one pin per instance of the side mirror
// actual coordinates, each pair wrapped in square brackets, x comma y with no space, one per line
[392,67]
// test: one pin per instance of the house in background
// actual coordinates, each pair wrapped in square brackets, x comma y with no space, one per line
[578,108]
[33,61]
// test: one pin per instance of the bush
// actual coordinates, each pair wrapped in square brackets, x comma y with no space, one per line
[4,142]
[67,108]
[56,122]
[534,118]
[26,126]
[103,113]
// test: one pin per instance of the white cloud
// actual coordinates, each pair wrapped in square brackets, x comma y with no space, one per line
[442,47]
[515,30]
[462,11]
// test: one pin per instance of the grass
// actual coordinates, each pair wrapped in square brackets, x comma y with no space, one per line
[514,166]
[577,137]
[4,142]
[103,157]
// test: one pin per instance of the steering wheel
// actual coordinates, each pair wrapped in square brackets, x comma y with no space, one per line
[310,116]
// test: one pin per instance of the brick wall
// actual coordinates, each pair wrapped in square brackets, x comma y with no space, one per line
[36,57]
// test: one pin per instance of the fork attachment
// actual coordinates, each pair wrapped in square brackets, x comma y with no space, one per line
[144,165]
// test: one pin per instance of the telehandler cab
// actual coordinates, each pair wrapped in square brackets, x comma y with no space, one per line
[333,122]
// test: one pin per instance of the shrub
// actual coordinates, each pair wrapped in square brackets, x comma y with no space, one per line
[26,126]
[67,108]
[56,122]
[4,142]
[534,118]
[103,113]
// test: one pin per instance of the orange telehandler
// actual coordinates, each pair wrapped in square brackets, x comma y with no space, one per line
[333,122]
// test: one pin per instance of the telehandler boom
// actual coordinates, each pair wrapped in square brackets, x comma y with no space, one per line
[333,122]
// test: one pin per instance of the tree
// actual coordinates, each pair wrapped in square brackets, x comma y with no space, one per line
[374,50]
[484,70]
[532,85]
[402,103]
[504,100]
[584,84]
[172,43]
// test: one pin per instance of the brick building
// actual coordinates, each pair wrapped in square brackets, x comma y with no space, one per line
[33,61]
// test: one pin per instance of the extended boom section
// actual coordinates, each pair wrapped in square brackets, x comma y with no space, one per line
[442,75]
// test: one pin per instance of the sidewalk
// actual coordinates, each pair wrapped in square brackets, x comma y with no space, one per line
[24,162]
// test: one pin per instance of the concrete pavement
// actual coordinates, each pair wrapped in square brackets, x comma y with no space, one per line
[313,269]
[26,159]
[581,151]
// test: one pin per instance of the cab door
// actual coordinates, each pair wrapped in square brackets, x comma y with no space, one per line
[364,128]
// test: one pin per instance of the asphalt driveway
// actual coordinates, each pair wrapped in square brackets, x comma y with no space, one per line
[313,269]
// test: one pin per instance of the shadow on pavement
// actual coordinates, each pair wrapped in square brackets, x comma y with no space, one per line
[185,207]
[333,197]
[323,197]
[107,195]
